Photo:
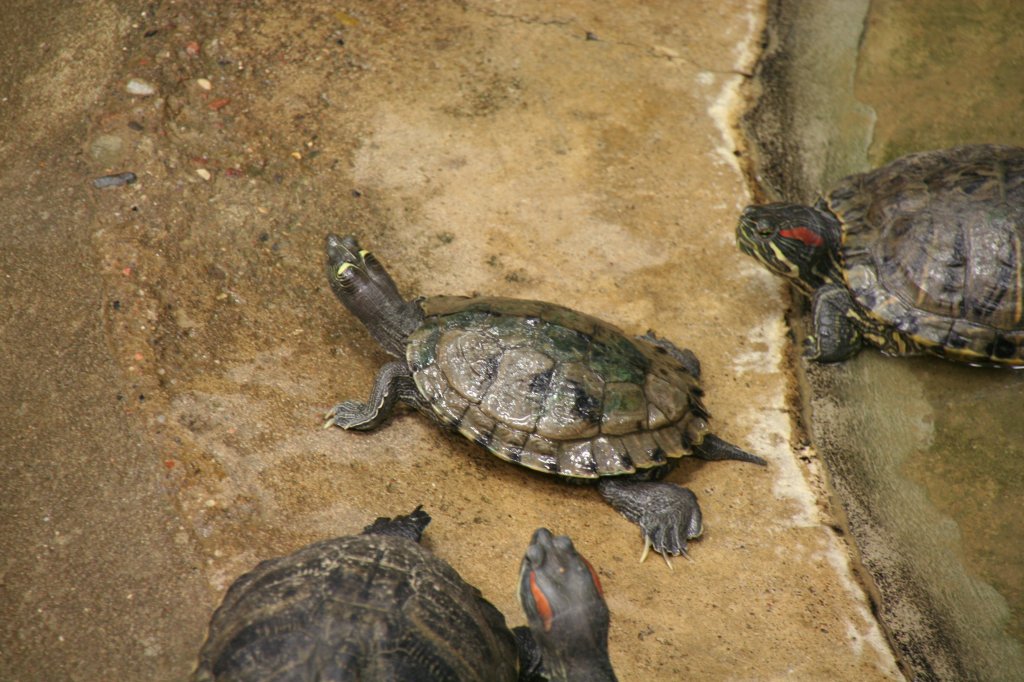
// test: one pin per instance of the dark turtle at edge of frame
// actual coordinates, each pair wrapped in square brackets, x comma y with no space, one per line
[923,255]
[379,606]
[542,386]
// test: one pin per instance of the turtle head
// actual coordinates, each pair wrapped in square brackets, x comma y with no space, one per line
[564,604]
[797,242]
[363,285]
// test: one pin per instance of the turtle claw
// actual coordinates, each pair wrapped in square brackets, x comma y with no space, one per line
[329,416]
[666,535]
[351,415]
[647,548]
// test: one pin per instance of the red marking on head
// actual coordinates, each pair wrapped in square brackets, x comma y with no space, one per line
[803,234]
[543,605]
[593,574]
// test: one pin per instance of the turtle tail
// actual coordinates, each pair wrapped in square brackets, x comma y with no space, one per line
[410,526]
[714,448]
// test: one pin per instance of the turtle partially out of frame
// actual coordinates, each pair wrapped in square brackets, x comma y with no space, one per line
[380,606]
[923,255]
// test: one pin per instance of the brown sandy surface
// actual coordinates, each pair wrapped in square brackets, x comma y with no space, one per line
[170,346]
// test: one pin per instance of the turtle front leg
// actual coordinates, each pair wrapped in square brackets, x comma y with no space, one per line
[836,334]
[531,664]
[668,514]
[393,382]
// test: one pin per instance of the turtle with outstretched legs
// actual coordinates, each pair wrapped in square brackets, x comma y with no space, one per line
[539,385]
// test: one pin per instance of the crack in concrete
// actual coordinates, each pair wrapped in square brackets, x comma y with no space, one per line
[519,19]
[655,51]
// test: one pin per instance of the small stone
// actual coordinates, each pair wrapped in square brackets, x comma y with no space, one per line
[137,86]
[204,83]
[114,180]
[203,173]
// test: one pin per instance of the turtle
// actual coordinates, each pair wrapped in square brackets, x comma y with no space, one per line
[539,385]
[920,256]
[379,606]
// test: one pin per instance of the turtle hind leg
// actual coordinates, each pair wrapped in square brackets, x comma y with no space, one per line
[668,514]
[684,356]
[714,448]
[393,382]
[836,334]
[409,526]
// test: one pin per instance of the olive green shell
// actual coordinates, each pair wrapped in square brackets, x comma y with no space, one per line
[553,389]
[362,607]
[931,249]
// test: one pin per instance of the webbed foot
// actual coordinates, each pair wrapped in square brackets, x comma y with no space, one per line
[836,336]
[668,514]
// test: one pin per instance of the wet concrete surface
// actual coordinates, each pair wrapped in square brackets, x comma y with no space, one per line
[925,456]
[170,346]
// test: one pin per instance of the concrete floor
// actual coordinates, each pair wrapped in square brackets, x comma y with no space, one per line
[170,346]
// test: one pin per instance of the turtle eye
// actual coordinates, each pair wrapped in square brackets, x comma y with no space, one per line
[763,229]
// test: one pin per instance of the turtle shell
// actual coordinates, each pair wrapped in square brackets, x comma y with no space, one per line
[931,249]
[553,389]
[367,607]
